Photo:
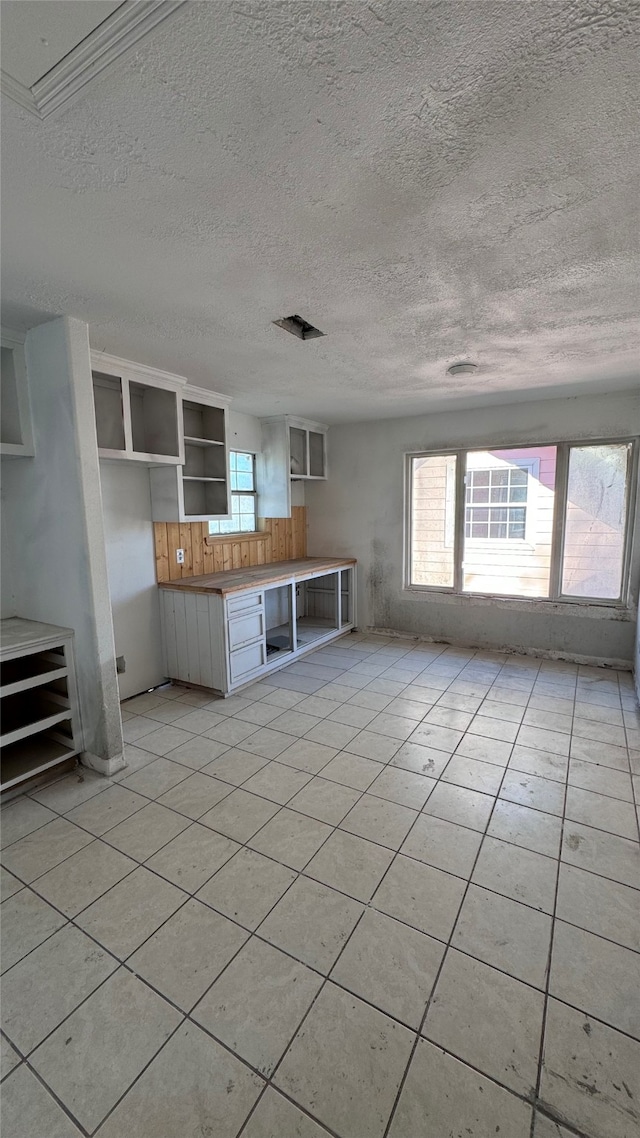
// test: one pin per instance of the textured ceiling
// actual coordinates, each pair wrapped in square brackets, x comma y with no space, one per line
[425,182]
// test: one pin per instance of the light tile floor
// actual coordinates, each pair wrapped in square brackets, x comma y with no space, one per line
[393,891]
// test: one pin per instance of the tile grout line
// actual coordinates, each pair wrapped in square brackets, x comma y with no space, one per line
[543,1030]
[140,864]
[244,845]
[130,970]
[636,799]
[255,932]
[334,828]
[419,1034]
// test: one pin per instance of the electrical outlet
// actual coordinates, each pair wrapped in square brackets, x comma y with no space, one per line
[180,556]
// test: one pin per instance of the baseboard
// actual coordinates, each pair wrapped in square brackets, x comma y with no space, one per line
[107,767]
[514,650]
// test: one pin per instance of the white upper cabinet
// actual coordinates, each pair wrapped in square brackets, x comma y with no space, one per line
[307,449]
[292,449]
[16,434]
[198,489]
[179,431]
[138,411]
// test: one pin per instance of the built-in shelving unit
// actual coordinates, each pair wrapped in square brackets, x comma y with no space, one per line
[138,411]
[38,699]
[292,449]
[16,434]
[198,490]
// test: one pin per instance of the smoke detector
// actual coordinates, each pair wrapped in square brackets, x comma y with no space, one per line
[299,327]
[463,368]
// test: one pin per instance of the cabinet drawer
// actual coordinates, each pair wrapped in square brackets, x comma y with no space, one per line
[244,601]
[243,629]
[246,660]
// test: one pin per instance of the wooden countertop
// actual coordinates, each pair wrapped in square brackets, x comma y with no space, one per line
[236,580]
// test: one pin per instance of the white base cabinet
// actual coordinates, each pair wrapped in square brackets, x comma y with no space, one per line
[224,642]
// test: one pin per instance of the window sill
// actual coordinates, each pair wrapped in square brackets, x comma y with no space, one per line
[614,610]
[214,538]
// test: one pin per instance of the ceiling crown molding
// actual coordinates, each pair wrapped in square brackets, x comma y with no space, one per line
[125,27]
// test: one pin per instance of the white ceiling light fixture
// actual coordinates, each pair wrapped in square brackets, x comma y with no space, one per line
[463,368]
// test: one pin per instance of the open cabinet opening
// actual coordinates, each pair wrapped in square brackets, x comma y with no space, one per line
[316,608]
[278,621]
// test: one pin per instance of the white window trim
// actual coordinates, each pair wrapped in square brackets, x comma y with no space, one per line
[556,596]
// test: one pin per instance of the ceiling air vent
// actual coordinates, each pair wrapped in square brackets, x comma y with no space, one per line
[298,327]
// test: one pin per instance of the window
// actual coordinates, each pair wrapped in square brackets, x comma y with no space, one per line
[496,504]
[547,522]
[243,496]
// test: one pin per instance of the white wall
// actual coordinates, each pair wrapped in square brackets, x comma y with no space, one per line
[53,523]
[7,571]
[359,512]
[245,432]
[126,501]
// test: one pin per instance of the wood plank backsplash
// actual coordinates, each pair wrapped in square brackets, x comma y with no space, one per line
[279,540]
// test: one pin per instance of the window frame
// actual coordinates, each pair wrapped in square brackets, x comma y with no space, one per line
[243,534]
[555,595]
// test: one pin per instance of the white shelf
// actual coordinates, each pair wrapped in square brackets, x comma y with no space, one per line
[41,724]
[30,757]
[32,681]
[193,441]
